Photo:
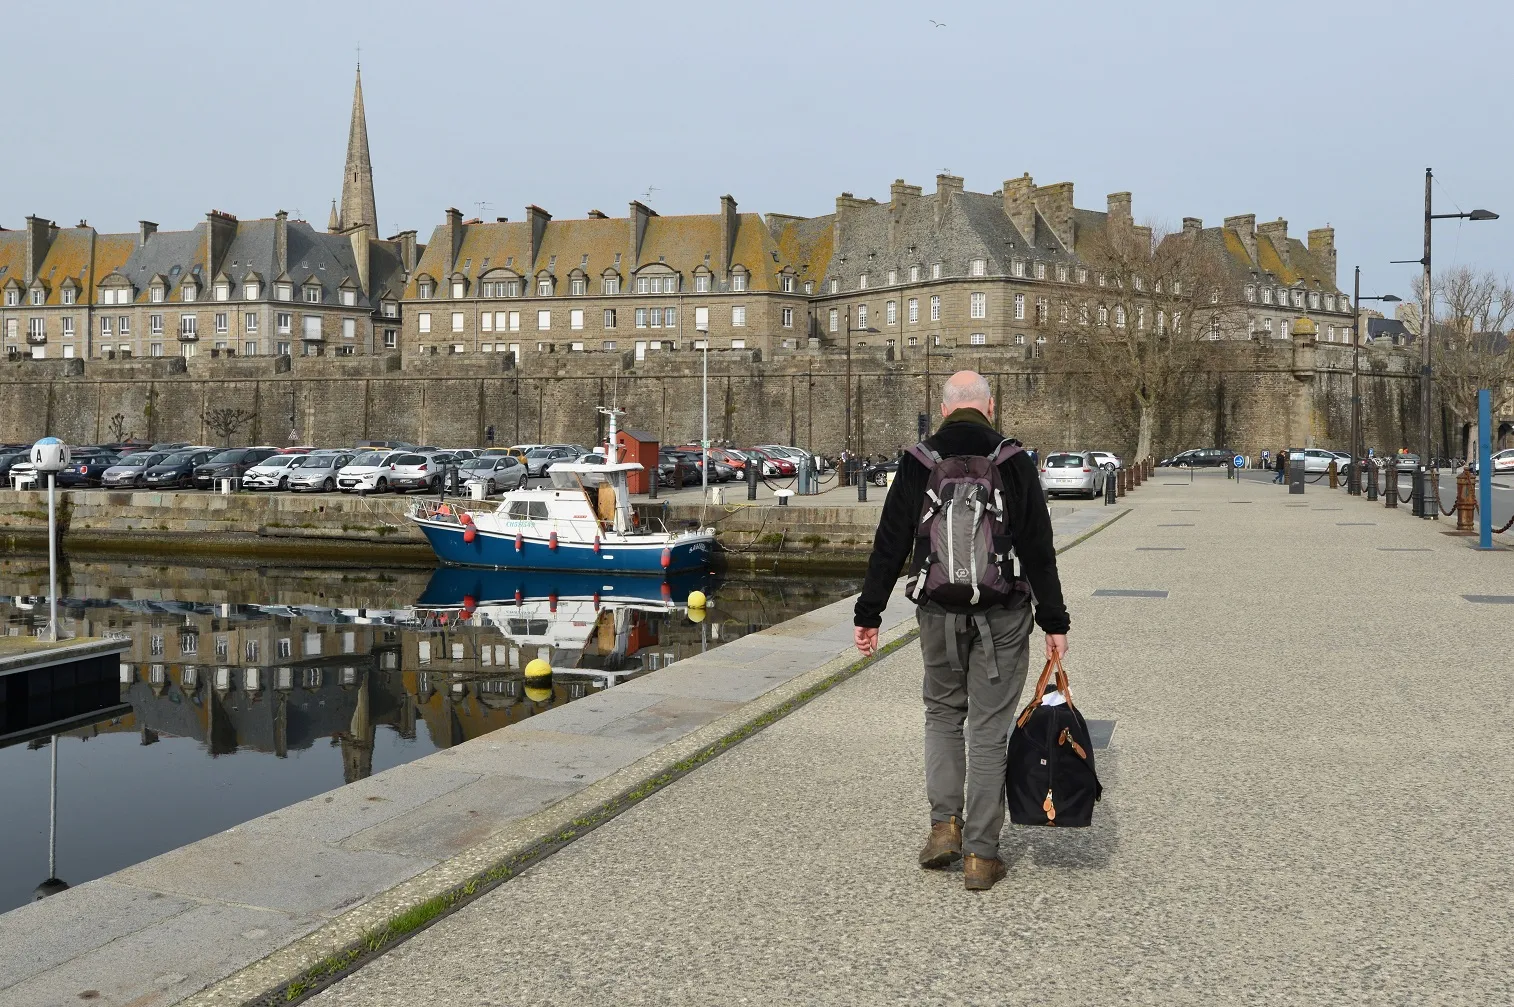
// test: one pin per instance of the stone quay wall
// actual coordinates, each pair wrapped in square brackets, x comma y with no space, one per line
[1262,394]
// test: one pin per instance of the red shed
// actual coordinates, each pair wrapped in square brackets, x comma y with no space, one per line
[642,448]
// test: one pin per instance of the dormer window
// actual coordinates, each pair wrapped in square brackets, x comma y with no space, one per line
[187,292]
[914,274]
[458,288]
[12,297]
[312,294]
[223,291]
[1250,292]
[809,286]
[390,309]
[1016,268]
[935,270]
[578,286]
[862,281]
[610,284]
[39,296]
[786,283]
[284,291]
[68,295]
[738,280]
[702,283]
[349,297]
[893,278]
[1040,270]
[250,290]
[980,267]
[835,285]
[157,293]
[423,289]
[1266,295]
[544,286]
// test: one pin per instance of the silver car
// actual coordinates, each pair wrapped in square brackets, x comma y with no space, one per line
[498,473]
[316,471]
[1072,472]
[129,471]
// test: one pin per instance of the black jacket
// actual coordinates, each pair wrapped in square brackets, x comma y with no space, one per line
[966,432]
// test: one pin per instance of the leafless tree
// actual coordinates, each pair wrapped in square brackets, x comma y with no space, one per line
[224,422]
[118,431]
[1141,324]
[1470,343]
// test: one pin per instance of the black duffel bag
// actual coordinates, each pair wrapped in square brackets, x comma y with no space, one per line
[1050,779]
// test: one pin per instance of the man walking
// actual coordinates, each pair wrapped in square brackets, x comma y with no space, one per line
[976,655]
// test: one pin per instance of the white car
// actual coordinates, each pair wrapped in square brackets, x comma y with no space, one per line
[271,473]
[1072,472]
[1106,459]
[368,472]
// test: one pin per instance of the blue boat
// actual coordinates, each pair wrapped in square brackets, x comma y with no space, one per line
[583,522]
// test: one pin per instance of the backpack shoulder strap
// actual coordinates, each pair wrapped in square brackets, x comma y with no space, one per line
[925,455]
[1006,450]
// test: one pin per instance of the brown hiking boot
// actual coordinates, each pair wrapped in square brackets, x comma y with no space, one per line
[982,873]
[944,847]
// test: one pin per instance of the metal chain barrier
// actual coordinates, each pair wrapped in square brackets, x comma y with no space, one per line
[1500,531]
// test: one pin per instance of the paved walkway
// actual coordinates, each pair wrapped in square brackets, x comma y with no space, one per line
[1306,803]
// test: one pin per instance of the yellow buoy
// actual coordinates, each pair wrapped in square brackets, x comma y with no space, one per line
[697,599]
[697,614]
[538,694]
[538,669]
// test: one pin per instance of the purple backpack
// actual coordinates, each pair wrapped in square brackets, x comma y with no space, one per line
[963,554]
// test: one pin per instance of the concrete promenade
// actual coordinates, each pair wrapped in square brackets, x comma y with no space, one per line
[259,905]
[1306,803]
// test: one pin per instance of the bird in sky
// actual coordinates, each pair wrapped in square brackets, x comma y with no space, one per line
[938,24]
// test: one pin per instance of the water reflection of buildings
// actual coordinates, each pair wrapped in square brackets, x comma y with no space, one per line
[282,678]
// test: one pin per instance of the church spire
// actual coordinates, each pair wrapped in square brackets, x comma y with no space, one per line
[358,208]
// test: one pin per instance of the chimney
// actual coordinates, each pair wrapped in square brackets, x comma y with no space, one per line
[452,239]
[1119,208]
[845,203]
[946,187]
[145,230]
[640,214]
[1054,204]
[901,192]
[1020,207]
[39,236]
[1322,247]
[1277,233]
[1244,225]
[598,215]
[406,242]
[280,243]
[219,230]
[728,224]
[360,250]
[1192,226]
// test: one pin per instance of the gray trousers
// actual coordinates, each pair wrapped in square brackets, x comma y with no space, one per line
[958,688]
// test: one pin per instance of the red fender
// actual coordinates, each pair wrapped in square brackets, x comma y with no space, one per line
[667,591]
[596,601]
[552,542]
[519,597]
[469,532]
[667,559]
[596,545]
[465,517]
[469,604]
[552,602]
[520,542]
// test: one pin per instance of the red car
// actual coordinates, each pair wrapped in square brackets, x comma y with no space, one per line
[772,465]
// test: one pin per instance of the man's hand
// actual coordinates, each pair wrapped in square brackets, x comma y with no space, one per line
[867,640]
[1056,645]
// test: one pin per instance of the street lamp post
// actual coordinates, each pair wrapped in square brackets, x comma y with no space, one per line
[704,439]
[1358,450]
[1421,508]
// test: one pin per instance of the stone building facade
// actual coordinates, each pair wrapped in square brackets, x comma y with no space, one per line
[642,283]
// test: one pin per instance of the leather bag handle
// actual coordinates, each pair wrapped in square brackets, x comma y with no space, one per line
[1053,664]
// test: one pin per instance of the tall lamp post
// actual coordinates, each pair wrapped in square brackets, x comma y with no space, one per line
[1425,373]
[1358,450]
[849,331]
[702,326]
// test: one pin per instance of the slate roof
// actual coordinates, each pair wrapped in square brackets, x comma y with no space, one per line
[174,255]
[1387,328]
[12,256]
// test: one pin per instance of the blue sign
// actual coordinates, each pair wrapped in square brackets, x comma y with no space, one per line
[1239,461]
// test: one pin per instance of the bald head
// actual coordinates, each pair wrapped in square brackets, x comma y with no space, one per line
[967,390]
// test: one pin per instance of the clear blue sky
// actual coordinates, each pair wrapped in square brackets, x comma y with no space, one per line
[1314,111]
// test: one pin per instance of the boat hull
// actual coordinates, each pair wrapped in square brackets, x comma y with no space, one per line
[505,552]
[463,587]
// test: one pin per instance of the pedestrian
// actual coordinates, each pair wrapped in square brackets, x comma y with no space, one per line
[976,653]
[1282,466]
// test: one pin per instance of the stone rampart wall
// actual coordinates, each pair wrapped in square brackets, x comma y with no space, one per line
[1257,395]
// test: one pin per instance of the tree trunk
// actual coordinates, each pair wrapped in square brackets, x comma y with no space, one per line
[1143,438]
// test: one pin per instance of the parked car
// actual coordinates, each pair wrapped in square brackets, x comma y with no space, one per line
[86,467]
[795,455]
[368,472]
[498,473]
[12,458]
[1072,472]
[177,469]
[418,471]
[1199,458]
[317,470]
[131,470]
[539,458]
[671,466]
[772,464]
[272,473]
[232,463]
[878,472]
[1107,459]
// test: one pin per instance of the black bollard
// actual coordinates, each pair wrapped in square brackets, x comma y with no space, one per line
[1371,469]
[859,472]
[753,472]
[1390,493]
